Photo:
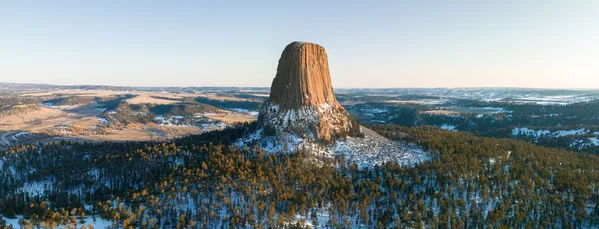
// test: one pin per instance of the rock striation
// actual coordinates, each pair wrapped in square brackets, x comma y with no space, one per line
[302,115]
[303,77]
[301,98]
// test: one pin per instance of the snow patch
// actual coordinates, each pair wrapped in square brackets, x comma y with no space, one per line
[245,111]
[102,120]
[526,132]
[448,127]
[563,133]
[585,143]
[374,110]
[367,152]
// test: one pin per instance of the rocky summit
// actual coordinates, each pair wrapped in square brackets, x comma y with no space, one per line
[303,77]
[301,98]
[302,115]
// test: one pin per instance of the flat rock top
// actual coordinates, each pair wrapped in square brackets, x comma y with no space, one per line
[301,97]
[303,77]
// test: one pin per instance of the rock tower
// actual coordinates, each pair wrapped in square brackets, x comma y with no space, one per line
[301,98]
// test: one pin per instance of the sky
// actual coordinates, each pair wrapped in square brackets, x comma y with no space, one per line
[375,44]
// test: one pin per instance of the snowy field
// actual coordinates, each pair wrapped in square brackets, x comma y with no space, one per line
[526,132]
[582,141]
[95,222]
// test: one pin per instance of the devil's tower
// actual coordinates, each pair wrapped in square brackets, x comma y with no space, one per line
[302,115]
[301,97]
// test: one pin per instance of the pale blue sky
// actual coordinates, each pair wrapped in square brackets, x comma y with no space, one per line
[237,43]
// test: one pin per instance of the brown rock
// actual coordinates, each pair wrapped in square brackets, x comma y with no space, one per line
[303,77]
[301,99]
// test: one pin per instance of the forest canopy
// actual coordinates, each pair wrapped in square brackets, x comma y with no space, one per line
[203,181]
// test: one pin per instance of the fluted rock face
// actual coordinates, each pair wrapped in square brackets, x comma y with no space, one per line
[303,77]
[301,97]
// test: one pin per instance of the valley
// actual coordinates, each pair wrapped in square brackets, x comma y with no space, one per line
[89,115]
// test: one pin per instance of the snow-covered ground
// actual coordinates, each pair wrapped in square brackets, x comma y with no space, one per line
[375,149]
[102,120]
[36,188]
[65,107]
[372,111]
[89,220]
[562,133]
[585,143]
[448,127]
[245,111]
[367,152]
[551,100]
[321,221]
[528,96]
[14,222]
[213,126]
[526,132]
[582,142]
[174,120]
[478,110]
[491,110]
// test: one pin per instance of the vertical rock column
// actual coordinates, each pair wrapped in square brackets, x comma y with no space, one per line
[301,97]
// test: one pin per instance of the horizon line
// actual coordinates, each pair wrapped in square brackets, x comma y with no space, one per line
[381,88]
